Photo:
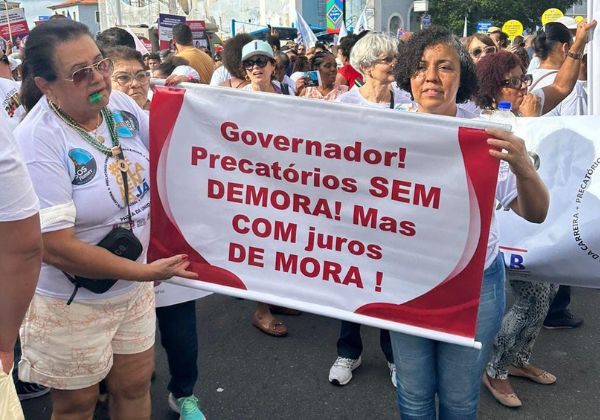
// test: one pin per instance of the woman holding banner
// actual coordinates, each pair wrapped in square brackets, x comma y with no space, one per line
[86,151]
[438,72]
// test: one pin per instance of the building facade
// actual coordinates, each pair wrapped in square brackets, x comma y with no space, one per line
[84,11]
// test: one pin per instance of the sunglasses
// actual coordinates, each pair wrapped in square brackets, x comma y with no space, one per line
[86,74]
[476,52]
[517,82]
[125,79]
[261,62]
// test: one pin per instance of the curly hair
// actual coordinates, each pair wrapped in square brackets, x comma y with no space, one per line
[491,71]
[410,54]
[232,54]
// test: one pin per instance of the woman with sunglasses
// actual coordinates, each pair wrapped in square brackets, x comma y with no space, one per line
[438,72]
[87,154]
[259,64]
[130,75]
[479,45]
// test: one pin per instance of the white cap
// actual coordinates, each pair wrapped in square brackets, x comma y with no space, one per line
[14,63]
[568,21]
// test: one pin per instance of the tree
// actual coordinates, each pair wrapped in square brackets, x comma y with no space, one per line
[451,13]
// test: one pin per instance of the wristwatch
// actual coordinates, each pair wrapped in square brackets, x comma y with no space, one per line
[574,56]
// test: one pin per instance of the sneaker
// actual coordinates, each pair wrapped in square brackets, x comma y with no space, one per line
[341,371]
[27,391]
[562,321]
[186,407]
[392,367]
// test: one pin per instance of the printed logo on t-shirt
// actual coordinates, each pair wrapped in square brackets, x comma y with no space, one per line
[12,102]
[126,123]
[137,182]
[84,166]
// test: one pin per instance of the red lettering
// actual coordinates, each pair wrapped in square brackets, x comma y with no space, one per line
[198,153]
[228,131]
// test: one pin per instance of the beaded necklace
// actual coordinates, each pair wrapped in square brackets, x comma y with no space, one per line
[114,151]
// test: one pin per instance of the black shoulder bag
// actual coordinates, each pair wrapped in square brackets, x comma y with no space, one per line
[119,241]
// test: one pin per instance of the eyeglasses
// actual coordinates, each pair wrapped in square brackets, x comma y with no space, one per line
[86,74]
[125,79]
[386,60]
[476,52]
[261,62]
[516,82]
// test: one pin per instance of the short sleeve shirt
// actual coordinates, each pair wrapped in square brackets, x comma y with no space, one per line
[17,196]
[66,170]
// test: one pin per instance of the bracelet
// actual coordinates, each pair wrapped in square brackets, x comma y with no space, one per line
[574,56]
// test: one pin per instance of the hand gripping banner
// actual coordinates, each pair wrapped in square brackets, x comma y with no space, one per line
[368,215]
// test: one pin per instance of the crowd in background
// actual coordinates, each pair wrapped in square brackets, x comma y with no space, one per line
[80,105]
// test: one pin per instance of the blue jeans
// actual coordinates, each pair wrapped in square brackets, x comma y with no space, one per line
[349,344]
[425,367]
[178,336]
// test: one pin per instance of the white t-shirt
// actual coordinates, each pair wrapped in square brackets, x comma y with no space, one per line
[10,102]
[353,96]
[506,192]
[17,197]
[574,104]
[534,64]
[219,76]
[68,171]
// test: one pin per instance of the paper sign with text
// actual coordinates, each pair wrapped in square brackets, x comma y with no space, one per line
[373,216]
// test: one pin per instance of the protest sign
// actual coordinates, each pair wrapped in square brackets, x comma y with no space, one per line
[512,28]
[334,13]
[551,15]
[565,248]
[382,220]
[199,37]
[18,28]
[165,29]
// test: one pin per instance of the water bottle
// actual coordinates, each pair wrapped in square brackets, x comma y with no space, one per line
[504,115]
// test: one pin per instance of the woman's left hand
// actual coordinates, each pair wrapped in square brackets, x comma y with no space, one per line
[512,150]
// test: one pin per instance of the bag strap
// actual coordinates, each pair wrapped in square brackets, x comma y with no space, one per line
[541,78]
[122,163]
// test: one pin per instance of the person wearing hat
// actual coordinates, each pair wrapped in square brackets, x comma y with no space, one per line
[259,64]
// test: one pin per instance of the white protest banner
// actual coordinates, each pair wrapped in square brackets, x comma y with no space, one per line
[594,61]
[565,249]
[368,215]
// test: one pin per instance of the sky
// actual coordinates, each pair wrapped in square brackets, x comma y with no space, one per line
[35,8]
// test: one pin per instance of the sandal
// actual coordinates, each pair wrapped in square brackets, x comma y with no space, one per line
[507,400]
[281,310]
[544,378]
[273,327]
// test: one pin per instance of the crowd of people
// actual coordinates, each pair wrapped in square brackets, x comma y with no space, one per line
[74,166]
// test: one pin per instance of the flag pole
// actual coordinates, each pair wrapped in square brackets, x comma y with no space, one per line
[8,20]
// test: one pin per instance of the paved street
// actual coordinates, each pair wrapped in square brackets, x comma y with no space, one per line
[245,374]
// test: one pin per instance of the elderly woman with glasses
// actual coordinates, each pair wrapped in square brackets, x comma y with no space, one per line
[86,148]
[375,57]
[130,75]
